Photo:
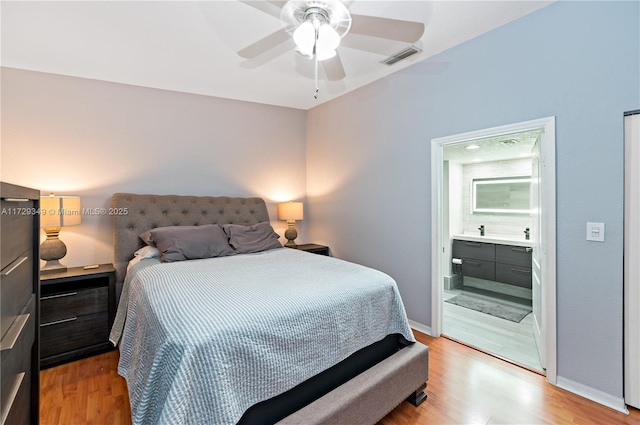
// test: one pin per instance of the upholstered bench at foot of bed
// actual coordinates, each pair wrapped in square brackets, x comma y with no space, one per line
[368,397]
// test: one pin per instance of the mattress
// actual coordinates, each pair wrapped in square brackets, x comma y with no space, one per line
[201,341]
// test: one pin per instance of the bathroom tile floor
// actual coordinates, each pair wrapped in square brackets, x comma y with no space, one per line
[512,341]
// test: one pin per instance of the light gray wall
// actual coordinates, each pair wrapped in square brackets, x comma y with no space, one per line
[368,161]
[75,136]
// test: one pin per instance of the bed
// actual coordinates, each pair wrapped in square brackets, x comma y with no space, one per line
[273,336]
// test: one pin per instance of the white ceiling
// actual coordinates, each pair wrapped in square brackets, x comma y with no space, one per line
[494,148]
[191,46]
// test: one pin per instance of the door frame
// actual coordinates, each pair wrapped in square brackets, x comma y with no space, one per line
[547,234]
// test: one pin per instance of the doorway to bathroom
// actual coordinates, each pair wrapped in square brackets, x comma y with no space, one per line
[493,239]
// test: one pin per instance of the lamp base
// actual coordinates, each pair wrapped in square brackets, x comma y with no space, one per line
[53,266]
[291,234]
[52,250]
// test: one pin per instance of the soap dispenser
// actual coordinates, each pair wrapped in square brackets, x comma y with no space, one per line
[526,233]
[481,228]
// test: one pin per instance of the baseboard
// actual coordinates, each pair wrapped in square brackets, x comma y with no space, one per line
[615,403]
[420,327]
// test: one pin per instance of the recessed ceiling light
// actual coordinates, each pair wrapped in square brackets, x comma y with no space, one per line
[476,160]
[472,147]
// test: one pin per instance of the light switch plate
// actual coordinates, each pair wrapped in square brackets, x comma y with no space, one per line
[595,232]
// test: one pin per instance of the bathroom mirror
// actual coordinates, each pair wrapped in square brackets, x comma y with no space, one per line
[501,195]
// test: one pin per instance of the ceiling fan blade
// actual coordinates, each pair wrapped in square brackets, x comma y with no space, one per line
[393,29]
[272,8]
[333,68]
[278,3]
[269,42]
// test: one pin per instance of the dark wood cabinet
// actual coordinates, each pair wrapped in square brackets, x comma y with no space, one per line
[476,250]
[313,248]
[514,255]
[19,313]
[478,258]
[513,275]
[481,269]
[513,265]
[508,264]
[77,311]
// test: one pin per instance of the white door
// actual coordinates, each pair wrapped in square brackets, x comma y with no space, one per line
[536,262]
[632,260]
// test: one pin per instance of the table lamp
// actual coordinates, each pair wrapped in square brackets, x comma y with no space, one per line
[56,212]
[290,211]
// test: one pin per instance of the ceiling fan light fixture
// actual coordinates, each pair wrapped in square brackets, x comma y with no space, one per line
[319,26]
[305,37]
[328,38]
[315,37]
[330,21]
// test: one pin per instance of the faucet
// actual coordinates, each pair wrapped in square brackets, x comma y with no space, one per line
[526,233]
[481,228]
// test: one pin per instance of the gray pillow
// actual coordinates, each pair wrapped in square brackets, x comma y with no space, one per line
[147,239]
[255,238]
[178,243]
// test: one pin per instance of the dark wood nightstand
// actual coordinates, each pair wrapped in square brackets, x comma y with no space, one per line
[313,248]
[77,308]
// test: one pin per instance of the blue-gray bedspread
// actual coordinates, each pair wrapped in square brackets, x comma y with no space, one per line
[201,341]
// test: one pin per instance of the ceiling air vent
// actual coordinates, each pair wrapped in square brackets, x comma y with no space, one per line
[403,54]
[508,142]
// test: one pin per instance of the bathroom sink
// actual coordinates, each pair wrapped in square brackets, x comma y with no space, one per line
[497,239]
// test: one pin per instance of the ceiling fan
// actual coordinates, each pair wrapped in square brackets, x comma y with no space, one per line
[318,26]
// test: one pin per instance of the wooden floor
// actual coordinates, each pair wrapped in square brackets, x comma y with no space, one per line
[465,387]
[87,391]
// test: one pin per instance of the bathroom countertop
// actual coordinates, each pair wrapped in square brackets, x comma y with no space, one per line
[497,239]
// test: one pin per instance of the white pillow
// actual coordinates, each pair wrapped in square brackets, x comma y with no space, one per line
[147,252]
[142,254]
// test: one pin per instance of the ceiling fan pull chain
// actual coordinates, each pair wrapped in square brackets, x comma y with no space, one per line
[315,59]
[315,96]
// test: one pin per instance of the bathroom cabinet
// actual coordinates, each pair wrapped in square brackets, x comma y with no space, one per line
[478,258]
[513,265]
[510,264]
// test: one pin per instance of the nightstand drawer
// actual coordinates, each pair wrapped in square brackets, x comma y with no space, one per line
[73,333]
[77,307]
[63,305]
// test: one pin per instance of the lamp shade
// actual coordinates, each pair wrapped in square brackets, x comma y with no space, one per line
[290,211]
[60,211]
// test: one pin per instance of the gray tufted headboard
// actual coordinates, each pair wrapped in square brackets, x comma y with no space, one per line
[145,212]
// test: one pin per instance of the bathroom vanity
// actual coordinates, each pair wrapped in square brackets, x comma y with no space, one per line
[494,258]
